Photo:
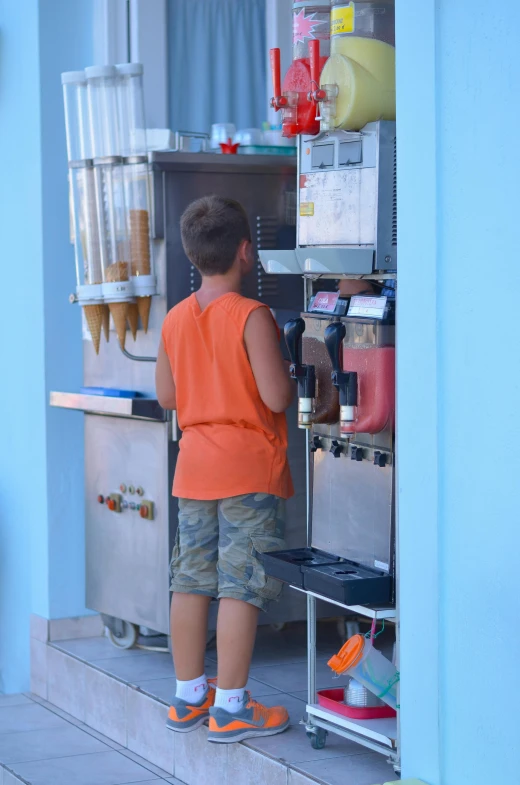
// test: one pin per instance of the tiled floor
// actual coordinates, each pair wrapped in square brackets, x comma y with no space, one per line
[278,676]
[42,745]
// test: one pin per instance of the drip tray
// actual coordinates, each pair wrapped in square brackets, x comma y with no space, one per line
[328,575]
[289,566]
[349,583]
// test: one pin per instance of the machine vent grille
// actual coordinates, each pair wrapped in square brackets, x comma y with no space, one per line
[394,199]
[267,227]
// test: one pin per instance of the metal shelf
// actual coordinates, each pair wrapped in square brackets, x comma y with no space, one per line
[378,735]
[134,408]
[361,610]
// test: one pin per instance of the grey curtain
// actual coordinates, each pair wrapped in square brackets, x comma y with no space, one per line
[217,62]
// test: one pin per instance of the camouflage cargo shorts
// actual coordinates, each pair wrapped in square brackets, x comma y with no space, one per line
[218,546]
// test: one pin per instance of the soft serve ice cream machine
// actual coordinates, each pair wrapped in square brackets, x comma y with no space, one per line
[342,347]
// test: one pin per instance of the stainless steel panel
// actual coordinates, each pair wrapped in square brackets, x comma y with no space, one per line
[127,557]
[352,511]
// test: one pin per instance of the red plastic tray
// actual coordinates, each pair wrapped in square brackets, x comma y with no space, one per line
[333,700]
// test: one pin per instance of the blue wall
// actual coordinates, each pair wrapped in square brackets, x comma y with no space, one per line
[41,471]
[459,389]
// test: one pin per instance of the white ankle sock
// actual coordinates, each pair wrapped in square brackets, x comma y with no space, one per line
[192,691]
[230,700]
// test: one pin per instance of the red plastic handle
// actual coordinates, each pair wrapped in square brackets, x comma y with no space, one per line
[276,72]
[314,60]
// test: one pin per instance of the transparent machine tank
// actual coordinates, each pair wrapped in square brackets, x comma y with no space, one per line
[102,83]
[137,174]
[83,212]
[311,23]
[358,80]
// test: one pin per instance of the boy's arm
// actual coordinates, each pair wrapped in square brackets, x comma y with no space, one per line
[164,384]
[270,370]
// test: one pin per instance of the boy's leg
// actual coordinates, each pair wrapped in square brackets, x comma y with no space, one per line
[236,633]
[194,583]
[189,629]
[249,525]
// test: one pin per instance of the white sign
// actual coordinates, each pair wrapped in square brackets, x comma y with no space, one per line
[369,307]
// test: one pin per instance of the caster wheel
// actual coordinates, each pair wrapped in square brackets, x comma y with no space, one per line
[318,738]
[127,639]
[278,626]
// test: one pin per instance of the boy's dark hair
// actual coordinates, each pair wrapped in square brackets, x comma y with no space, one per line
[212,229]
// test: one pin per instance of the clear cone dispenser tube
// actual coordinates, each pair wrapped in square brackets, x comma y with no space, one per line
[137,173]
[131,114]
[115,248]
[83,208]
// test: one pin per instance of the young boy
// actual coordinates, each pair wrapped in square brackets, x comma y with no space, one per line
[221,368]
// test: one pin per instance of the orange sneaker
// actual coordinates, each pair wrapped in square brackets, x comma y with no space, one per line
[253,720]
[184,717]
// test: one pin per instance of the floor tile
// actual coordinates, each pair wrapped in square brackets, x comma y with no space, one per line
[39,628]
[294,706]
[367,769]
[162,689]
[154,770]
[77,627]
[9,778]
[38,667]
[58,742]
[293,746]
[104,768]
[245,766]
[193,754]
[105,705]
[81,725]
[14,700]
[297,778]
[30,717]
[137,668]
[66,683]
[147,733]
[99,648]
[292,677]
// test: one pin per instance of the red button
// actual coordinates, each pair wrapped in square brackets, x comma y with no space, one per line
[144,511]
[101,499]
[111,504]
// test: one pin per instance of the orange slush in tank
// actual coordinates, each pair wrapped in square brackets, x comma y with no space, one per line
[359,76]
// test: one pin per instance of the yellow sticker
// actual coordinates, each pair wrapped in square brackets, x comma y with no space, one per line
[306,208]
[342,19]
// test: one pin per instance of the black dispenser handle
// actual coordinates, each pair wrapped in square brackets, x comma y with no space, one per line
[345,382]
[293,332]
[334,335]
[303,374]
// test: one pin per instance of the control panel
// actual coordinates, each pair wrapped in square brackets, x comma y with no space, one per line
[119,502]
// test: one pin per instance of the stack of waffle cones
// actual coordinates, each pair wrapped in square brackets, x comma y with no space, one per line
[140,257]
[119,310]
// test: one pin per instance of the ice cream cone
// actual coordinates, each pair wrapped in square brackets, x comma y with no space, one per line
[144,305]
[119,312]
[133,318]
[106,322]
[94,317]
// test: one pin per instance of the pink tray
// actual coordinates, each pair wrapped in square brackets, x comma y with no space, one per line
[333,700]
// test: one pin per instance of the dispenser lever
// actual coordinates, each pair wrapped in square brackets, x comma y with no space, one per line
[315,94]
[278,100]
[345,382]
[303,374]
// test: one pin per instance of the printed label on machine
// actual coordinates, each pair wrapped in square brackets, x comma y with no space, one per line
[369,307]
[325,302]
[342,19]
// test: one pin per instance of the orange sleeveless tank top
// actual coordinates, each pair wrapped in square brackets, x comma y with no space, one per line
[232,443]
